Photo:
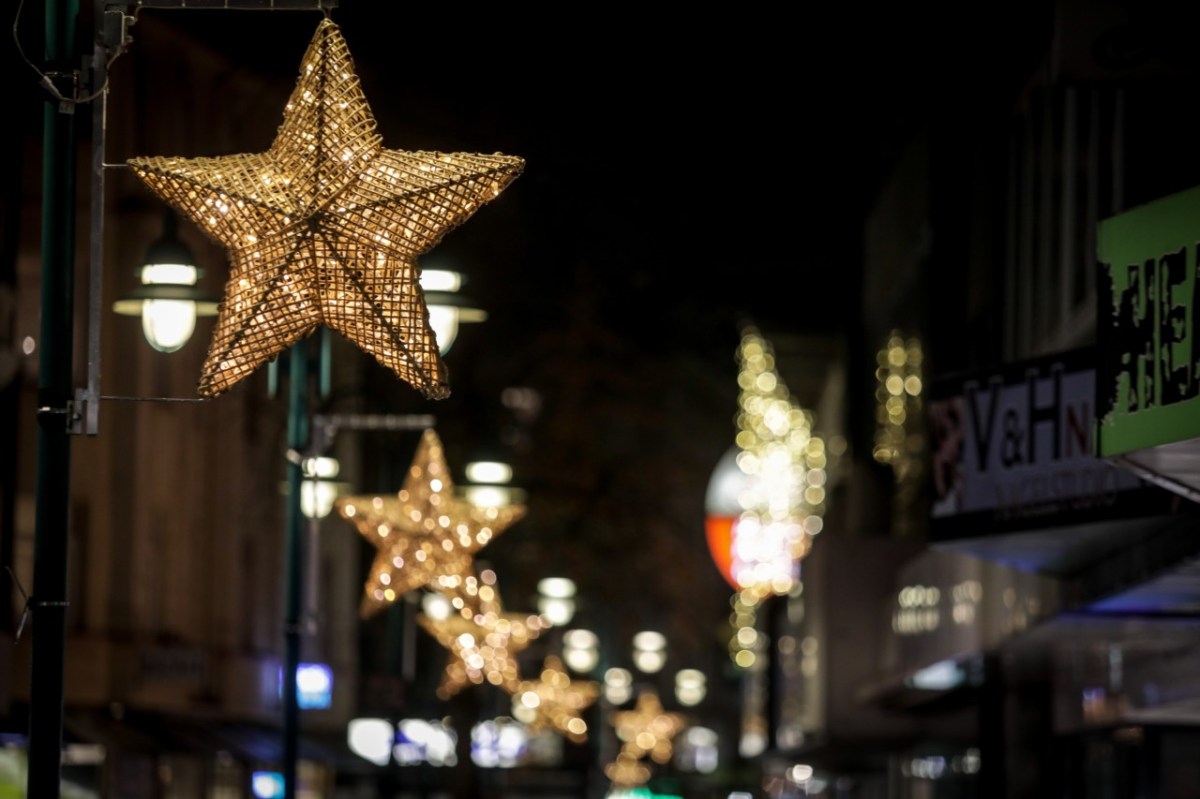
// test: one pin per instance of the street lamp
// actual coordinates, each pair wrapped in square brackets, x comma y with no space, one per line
[690,686]
[489,485]
[556,599]
[447,308]
[167,299]
[318,490]
[649,651]
[581,650]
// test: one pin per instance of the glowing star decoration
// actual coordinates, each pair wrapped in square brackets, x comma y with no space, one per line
[326,227]
[554,701]
[483,646]
[425,532]
[647,729]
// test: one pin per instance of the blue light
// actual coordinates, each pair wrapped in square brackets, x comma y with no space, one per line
[267,785]
[314,686]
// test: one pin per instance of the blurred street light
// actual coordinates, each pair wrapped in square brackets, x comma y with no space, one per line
[319,489]
[581,650]
[649,651]
[556,599]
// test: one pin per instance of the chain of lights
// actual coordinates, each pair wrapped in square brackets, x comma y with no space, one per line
[746,645]
[784,496]
[782,499]
[900,439]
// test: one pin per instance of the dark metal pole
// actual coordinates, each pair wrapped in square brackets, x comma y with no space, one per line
[297,441]
[49,599]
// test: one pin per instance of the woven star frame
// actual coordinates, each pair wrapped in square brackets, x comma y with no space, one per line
[424,532]
[326,227]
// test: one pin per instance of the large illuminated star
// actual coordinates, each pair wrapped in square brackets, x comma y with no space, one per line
[423,532]
[326,227]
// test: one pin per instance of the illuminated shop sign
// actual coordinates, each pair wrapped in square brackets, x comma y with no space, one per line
[1149,350]
[1014,446]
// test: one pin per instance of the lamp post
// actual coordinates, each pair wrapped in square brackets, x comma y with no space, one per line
[54,407]
[297,440]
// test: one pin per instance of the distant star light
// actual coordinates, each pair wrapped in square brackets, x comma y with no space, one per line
[424,531]
[483,644]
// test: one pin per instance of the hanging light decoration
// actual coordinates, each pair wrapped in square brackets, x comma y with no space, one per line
[901,439]
[326,227]
[766,496]
[425,532]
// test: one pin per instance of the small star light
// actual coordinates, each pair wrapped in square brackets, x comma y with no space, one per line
[483,645]
[647,729]
[424,533]
[326,227]
[554,701]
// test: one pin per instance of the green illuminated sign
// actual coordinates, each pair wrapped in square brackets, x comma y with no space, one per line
[1148,353]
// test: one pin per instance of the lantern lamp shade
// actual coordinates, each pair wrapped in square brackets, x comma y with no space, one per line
[166,298]
[325,228]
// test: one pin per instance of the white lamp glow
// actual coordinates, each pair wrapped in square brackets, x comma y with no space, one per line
[447,308]
[649,651]
[556,599]
[318,491]
[371,739]
[581,650]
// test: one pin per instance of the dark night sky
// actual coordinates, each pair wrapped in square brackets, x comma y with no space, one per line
[724,158]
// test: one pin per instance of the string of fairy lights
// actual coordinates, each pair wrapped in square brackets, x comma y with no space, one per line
[900,437]
[783,498]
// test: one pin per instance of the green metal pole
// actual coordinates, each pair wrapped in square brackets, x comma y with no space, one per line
[49,599]
[294,568]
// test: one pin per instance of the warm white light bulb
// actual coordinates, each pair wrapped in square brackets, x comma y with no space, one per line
[168,324]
